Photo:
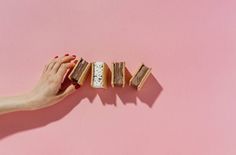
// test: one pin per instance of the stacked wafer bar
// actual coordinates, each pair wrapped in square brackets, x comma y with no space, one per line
[80,71]
[118,74]
[100,71]
[141,75]
[99,75]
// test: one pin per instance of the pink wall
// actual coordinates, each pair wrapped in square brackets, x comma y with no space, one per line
[186,108]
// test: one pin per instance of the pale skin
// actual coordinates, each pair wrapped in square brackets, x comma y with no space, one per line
[47,90]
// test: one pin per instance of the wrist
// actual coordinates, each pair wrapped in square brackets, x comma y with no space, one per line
[31,100]
[35,100]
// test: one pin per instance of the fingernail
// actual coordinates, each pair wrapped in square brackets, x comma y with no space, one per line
[56,57]
[74,56]
[77,86]
[75,61]
[66,54]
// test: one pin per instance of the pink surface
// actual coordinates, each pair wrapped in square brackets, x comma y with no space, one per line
[187,107]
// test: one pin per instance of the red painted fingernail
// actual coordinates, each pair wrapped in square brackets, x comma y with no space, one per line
[66,54]
[74,56]
[75,61]
[77,86]
[56,57]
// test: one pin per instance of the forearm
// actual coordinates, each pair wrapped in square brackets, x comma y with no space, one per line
[15,103]
[47,91]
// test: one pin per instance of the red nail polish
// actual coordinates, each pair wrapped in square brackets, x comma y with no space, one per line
[56,57]
[77,86]
[66,54]
[74,56]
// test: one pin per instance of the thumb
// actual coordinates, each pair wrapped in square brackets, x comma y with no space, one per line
[69,90]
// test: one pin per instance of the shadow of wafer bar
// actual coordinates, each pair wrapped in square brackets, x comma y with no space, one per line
[107,96]
[127,94]
[150,91]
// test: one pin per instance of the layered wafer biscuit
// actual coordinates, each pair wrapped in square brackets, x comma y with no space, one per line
[118,74]
[140,76]
[99,71]
[80,71]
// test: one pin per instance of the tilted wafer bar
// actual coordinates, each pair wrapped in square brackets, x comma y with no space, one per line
[99,72]
[80,71]
[137,81]
[118,74]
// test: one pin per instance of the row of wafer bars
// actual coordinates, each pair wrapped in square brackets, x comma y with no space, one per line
[99,72]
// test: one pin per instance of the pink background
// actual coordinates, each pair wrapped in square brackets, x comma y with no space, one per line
[187,106]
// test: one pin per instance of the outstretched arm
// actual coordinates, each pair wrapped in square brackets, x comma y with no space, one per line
[47,91]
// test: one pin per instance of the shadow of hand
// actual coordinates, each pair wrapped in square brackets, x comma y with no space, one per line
[26,120]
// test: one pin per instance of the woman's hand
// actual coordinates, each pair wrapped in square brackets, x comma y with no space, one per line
[47,91]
